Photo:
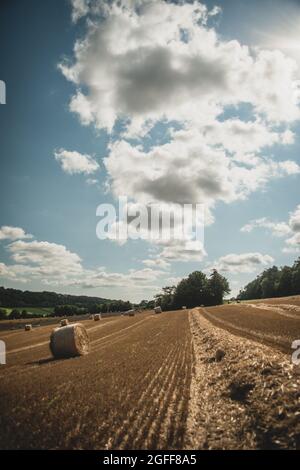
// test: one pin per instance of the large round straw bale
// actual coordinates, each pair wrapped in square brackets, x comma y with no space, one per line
[28,327]
[64,322]
[68,341]
[97,316]
[157,309]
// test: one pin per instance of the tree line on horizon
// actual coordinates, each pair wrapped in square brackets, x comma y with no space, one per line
[15,298]
[273,282]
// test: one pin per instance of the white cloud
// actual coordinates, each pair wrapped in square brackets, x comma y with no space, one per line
[183,250]
[156,263]
[293,243]
[92,181]
[75,162]
[134,279]
[242,137]
[136,63]
[278,229]
[187,171]
[13,233]
[242,263]
[45,258]
[294,220]
[4,271]
[80,8]
[289,229]
[54,265]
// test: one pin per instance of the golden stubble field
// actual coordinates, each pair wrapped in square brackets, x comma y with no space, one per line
[131,391]
[214,378]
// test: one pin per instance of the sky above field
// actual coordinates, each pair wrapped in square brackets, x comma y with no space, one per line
[162,102]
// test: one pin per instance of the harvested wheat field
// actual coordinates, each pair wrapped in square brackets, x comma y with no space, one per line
[131,391]
[274,323]
[185,379]
[244,395]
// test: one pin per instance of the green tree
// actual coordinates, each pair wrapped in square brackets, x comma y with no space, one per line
[218,286]
[274,282]
[296,277]
[15,314]
[192,291]
[24,314]
[166,298]
[3,314]
[285,284]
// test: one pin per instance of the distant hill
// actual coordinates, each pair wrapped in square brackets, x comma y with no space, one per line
[23,299]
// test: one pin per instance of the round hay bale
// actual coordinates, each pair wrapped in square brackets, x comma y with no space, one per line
[157,309]
[28,327]
[64,322]
[97,316]
[69,341]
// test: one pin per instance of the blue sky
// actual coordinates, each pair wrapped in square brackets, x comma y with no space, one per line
[204,103]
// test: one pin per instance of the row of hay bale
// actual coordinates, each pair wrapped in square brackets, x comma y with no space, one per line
[65,321]
[69,340]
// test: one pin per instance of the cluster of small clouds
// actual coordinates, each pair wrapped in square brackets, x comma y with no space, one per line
[54,265]
[290,230]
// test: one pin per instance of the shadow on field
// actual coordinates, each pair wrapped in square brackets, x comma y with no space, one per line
[40,362]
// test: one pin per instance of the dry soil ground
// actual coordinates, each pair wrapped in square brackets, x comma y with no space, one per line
[186,379]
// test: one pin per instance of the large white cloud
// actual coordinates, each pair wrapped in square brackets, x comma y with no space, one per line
[161,60]
[45,258]
[187,171]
